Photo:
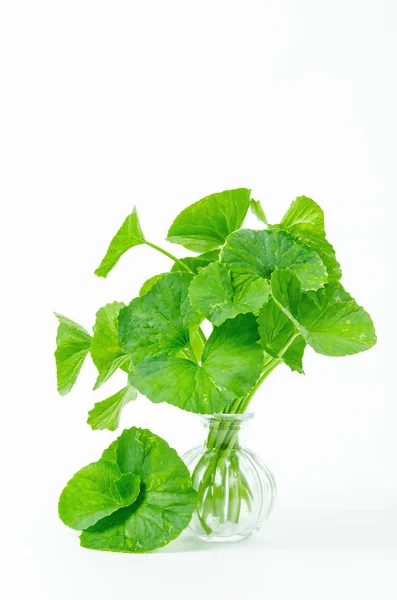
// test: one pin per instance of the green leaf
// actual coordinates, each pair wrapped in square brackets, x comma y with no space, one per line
[158,322]
[73,345]
[205,225]
[305,221]
[129,235]
[106,351]
[218,295]
[327,254]
[149,283]
[294,354]
[106,414]
[196,263]
[329,319]
[279,336]
[96,491]
[231,364]
[210,256]
[257,254]
[257,210]
[197,341]
[304,216]
[164,506]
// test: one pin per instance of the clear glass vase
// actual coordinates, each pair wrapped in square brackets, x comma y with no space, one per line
[236,491]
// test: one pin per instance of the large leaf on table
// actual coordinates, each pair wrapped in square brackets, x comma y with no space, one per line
[96,491]
[73,345]
[106,351]
[129,235]
[159,321]
[204,225]
[231,364]
[256,254]
[218,295]
[279,336]
[106,414]
[165,503]
[305,221]
[330,320]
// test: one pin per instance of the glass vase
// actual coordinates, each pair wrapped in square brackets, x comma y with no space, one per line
[236,491]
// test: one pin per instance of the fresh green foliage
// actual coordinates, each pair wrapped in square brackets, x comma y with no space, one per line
[305,221]
[136,498]
[160,321]
[196,263]
[267,292]
[73,345]
[257,210]
[106,414]
[231,364]
[129,235]
[218,294]
[280,337]
[330,320]
[256,254]
[106,351]
[239,283]
[96,491]
[304,217]
[205,225]
[149,283]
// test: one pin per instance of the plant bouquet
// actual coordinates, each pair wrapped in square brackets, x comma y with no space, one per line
[268,293]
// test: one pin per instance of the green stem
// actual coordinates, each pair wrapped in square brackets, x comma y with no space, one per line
[232,408]
[221,442]
[270,365]
[227,438]
[171,256]
[189,354]
[202,336]
[265,373]
[288,344]
[214,500]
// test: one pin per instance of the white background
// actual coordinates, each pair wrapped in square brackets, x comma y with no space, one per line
[104,105]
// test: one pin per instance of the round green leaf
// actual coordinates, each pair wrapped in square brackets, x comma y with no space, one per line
[204,225]
[329,319]
[165,503]
[149,283]
[218,295]
[231,364]
[258,253]
[94,492]
[159,321]
[305,221]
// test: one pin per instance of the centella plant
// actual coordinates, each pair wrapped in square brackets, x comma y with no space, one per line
[268,293]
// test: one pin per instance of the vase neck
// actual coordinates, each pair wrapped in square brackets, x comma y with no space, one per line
[225,431]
